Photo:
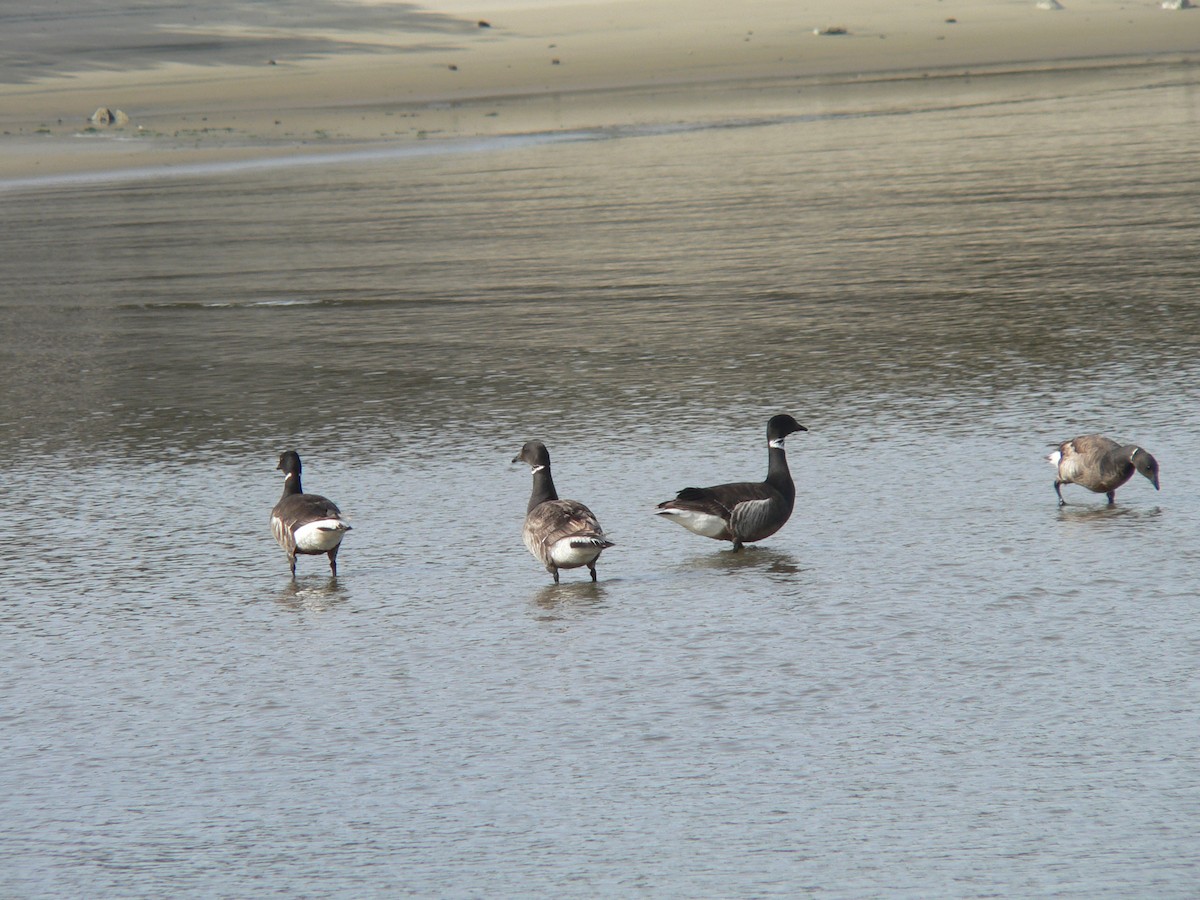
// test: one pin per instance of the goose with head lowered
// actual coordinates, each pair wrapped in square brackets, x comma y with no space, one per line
[561,534]
[305,523]
[1099,464]
[744,511]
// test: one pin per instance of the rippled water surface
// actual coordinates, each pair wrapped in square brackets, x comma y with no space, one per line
[932,682]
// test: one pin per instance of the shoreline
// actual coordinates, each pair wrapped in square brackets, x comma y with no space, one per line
[538,71]
[79,157]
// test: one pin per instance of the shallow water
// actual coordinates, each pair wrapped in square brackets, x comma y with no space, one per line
[46,39]
[932,682]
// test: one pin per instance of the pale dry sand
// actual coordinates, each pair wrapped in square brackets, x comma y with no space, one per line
[544,67]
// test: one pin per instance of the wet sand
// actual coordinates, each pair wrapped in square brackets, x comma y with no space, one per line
[308,85]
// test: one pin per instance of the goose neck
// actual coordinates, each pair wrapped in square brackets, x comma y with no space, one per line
[778,474]
[543,487]
[291,484]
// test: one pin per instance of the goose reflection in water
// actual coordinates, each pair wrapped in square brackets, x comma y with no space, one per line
[764,560]
[1116,515]
[569,600]
[315,595]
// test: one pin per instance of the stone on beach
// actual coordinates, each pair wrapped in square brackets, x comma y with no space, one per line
[109,118]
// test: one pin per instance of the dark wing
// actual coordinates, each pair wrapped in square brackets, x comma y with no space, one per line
[554,520]
[1091,446]
[720,499]
[1095,462]
[295,510]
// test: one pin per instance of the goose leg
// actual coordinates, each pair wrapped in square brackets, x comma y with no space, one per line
[592,569]
[292,563]
[1058,490]
[1112,498]
[554,572]
[332,554]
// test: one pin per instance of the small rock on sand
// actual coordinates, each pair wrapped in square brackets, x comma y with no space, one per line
[109,118]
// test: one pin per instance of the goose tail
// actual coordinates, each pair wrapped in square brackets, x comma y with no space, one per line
[584,541]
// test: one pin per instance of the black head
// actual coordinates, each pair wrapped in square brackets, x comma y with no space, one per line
[1146,464]
[289,463]
[535,454]
[781,426]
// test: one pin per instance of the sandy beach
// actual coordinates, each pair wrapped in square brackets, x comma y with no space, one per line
[222,88]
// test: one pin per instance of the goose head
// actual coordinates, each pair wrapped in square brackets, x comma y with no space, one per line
[1146,464]
[535,454]
[780,427]
[289,463]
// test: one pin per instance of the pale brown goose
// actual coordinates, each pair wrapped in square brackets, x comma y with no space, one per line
[1099,464]
[305,523]
[561,534]
[744,511]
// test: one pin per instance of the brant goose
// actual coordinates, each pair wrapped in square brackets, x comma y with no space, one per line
[561,534]
[305,523]
[1099,464]
[744,511]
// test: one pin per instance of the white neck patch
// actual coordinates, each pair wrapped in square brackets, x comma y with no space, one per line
[776,444]
[535,469]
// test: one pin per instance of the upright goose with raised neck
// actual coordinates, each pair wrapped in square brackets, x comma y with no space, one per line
[305,523]
[561,534]
[1099,464]
[743,511]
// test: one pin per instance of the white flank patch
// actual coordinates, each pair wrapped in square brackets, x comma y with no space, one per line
[703,524]
[1055,458]
[320,536]
[567,557]
[277,531]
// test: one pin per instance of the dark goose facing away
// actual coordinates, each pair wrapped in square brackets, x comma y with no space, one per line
[1099,464]
[744,511]
[561,534]
[305,523]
